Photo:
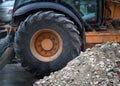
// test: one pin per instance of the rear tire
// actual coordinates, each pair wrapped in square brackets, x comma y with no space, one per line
[32,38]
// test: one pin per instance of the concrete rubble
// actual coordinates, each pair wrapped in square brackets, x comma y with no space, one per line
[98,66]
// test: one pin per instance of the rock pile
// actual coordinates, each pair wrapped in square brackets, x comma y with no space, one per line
[99,66]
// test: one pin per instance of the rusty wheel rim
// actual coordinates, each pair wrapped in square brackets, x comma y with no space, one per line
[46,45]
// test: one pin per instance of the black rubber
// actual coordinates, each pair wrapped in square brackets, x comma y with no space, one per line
[6,41]
[3,33]
[57,22]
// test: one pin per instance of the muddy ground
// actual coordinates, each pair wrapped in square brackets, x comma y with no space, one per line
[98,66]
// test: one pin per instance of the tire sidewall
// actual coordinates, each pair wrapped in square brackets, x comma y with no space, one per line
[64,57]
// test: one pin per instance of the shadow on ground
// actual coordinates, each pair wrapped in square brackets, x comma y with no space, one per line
[15,75]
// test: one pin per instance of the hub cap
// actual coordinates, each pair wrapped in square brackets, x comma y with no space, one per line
[46,45]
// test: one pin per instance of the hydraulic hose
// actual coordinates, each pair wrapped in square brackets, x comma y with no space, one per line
[5,42]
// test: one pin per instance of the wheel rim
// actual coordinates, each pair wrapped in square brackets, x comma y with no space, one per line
[46,45]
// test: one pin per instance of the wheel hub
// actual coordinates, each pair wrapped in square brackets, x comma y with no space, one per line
[46,45]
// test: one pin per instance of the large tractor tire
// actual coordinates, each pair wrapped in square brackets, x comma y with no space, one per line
[46,42]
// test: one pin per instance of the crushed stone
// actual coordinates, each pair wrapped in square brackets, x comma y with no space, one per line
[98,66]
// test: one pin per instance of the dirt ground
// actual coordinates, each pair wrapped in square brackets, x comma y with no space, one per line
[98,66]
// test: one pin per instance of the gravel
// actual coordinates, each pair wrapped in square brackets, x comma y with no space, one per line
[98,66]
